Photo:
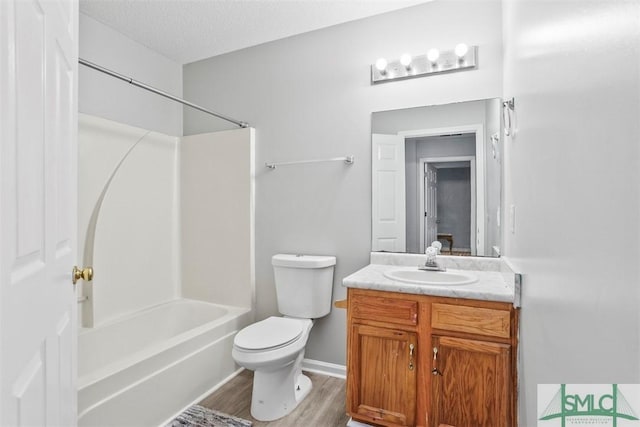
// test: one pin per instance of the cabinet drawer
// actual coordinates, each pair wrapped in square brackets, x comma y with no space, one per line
[474,320]
[391,310]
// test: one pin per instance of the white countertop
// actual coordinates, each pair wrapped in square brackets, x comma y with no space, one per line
[491,285]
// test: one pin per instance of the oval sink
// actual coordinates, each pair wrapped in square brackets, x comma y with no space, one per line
[425,277]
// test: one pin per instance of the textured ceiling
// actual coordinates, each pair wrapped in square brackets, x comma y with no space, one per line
[190,30]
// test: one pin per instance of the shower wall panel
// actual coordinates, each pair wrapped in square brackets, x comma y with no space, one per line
[217,205]
[135,260]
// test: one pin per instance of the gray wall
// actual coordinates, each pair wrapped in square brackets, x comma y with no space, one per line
[454,206]
[416,148]
[310,97]
[580,294]
[432,116]
[113,99]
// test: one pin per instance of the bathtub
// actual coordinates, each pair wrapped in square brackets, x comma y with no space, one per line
[143,369]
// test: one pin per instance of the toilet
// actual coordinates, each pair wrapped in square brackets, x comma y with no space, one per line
[274,347]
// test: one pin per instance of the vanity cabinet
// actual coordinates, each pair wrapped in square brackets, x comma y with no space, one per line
[471,384]
[385,374]
[383,343]
[419,360]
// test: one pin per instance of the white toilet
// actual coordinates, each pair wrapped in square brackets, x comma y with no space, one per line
[274,347]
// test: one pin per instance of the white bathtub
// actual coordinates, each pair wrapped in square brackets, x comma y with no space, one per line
[144,368]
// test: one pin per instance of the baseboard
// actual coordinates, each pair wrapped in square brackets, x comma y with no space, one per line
[324,368]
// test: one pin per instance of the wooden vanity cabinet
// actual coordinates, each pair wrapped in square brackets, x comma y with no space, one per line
[382,365]
[471,386]
[397,341]
[385,388]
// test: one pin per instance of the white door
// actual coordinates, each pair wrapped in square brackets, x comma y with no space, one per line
[430,204]
[388,196]
[38,107]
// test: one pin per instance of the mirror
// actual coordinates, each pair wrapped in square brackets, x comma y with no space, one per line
[436,175]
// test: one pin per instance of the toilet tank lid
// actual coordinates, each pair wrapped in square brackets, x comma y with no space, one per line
[303,261]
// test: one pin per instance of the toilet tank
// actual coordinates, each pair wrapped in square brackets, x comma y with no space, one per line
[304,284]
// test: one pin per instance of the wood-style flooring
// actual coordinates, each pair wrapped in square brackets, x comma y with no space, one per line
[323,407]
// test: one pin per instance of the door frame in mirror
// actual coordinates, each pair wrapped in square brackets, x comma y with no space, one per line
[421,191]
[478,130]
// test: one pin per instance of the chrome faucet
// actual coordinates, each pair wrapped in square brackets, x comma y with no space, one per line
[431,263]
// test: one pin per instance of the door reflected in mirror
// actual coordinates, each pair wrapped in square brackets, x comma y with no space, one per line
[436,176]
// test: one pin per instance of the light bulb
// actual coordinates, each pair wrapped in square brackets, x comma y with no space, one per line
[381,65]
[461,50]
[405,60]
[433,55]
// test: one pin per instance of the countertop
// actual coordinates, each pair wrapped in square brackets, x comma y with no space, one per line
[493,284]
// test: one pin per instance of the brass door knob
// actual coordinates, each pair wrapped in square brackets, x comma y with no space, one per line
[85,274]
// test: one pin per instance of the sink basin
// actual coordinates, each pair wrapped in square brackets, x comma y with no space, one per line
[437,278]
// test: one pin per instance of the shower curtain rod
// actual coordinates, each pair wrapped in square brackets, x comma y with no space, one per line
[159,92]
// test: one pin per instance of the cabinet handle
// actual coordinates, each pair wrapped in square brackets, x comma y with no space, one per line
[411,349]
[434,365]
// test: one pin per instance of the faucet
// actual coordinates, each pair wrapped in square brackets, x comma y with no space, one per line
[432,252]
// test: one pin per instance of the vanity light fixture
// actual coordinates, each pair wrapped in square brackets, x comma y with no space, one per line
[461,50]
[406,60]
[433,55]
[381,66]
[462,57]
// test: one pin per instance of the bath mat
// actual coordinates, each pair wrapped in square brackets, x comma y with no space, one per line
[199,416]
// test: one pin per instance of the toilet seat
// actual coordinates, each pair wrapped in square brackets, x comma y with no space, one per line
[269,334]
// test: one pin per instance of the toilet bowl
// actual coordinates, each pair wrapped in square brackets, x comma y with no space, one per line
[274,347]
[271,343]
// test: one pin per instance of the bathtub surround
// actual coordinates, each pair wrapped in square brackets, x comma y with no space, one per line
[171,349]
[135,254]
[172,231]
[323,112]
[217,217]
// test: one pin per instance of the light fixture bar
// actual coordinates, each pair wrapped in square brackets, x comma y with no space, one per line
[421,66]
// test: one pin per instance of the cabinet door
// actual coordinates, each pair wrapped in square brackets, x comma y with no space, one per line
[381,385]
[472,382]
